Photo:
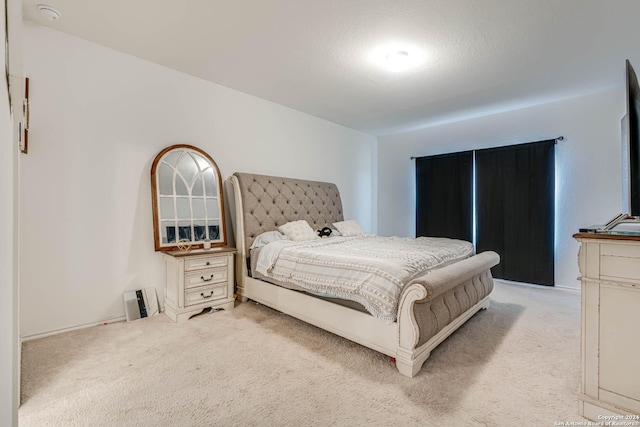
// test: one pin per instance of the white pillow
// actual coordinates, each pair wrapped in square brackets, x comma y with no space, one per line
[299,231]
[349,228]
[266,238]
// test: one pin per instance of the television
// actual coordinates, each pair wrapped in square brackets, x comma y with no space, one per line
[628,222]
[631,145]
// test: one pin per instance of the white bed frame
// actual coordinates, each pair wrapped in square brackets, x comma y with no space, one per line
[398,340]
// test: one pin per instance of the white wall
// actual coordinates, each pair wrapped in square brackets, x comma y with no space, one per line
[588,161]
[9,163]
[7,290]
[98,119]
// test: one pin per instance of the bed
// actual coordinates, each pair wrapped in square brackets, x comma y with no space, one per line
[429,307]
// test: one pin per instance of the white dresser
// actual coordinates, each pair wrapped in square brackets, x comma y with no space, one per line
[610,276]
[196,280]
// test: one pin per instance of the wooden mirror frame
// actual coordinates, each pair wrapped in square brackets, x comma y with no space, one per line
[159,246]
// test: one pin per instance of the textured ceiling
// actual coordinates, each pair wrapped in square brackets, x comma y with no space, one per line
[481,56]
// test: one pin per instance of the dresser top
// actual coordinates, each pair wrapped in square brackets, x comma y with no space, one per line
[193,252]
[606,236]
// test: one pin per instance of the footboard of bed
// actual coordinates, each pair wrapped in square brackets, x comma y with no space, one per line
[437,303]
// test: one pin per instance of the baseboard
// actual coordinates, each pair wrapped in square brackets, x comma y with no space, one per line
[73,328]
[568,288]
[533,285]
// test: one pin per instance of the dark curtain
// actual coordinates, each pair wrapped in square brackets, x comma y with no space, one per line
[515,190]
[444,196]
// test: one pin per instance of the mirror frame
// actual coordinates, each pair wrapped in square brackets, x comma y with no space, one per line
[159,247]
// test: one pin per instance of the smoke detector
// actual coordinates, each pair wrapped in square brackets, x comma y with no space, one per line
[48,12]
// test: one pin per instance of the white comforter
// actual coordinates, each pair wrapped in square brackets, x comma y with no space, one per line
[370,270]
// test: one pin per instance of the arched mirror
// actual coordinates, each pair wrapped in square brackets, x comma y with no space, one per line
[187,199]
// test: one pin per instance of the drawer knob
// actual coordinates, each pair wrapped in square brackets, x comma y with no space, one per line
[208,296]
[206,280]
[208,263]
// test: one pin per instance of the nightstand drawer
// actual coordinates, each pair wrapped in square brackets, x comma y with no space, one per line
[201,295]
[619,262]
[205,262]
[205,277]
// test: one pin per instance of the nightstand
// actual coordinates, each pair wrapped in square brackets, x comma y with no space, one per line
[196,280]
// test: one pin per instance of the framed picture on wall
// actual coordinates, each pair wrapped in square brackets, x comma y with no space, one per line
[24,123]
[6,47]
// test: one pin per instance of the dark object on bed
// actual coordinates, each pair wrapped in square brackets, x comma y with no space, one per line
[324,231]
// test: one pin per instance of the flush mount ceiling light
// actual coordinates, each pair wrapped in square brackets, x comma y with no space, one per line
[398,60]
[48,12]
[397,57]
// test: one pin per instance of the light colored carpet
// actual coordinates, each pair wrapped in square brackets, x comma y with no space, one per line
[515,364]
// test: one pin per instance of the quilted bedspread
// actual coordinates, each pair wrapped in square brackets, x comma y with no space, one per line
[371,270]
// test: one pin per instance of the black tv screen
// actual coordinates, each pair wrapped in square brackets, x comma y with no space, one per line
[633,140]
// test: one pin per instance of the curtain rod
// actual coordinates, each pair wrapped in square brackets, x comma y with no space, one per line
[558,139]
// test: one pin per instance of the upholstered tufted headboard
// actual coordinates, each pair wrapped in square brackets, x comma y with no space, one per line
[267,202]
